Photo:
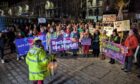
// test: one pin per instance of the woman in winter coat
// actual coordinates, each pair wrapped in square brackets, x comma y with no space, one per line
[131,43]
[96,43]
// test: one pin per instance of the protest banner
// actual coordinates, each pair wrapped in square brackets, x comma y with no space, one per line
[122,25]
[86,41]
[61,44]
[109,18]
[115,51]
[108,23]
[23,45]
[108,30]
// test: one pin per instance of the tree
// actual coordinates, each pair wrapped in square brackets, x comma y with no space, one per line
[121,4]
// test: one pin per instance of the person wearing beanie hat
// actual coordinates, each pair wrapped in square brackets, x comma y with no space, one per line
[37,62]
[131,43]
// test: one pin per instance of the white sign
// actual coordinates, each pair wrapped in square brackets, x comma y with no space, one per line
[41,20]
[108,30]
[109,18]
[108,23]
[122,25]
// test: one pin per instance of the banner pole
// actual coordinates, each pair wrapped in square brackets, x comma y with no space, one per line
[122,37]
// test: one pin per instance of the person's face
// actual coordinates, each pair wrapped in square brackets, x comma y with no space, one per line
[19,34]
[35,29]
[42,29]
[96,32]
[131,33]
[34,26]
[58,28]
[51,30]
[27,27]
[87,30]
[62,31]
[114,34]
[75,28]
[49,25]
[31,32]
[81,26]
[86,26]
[34,32]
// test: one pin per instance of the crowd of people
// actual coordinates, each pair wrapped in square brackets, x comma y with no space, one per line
[77,32]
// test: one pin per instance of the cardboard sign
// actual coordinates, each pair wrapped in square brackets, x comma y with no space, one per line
[108,23]
[109,18]
[122,25]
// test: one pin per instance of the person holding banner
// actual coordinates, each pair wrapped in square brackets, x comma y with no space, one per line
[75,39]
[131,43]
[103,37]
[67,31]
[37,63]
[59,35]
[65,34]
[116,39]
[50,35]
[86,42]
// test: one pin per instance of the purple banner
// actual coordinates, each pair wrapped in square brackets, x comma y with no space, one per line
[86,41]
[62,44]
[23,45]
[115,51]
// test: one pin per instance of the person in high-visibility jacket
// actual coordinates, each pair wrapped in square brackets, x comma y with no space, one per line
[37,62]
[103,37]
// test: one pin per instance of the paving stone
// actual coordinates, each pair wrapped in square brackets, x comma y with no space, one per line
[14,82]
[71,70]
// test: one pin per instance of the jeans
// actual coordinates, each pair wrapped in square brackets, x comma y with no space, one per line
[128,63]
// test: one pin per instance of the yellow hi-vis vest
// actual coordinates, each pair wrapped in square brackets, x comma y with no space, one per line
[37,62]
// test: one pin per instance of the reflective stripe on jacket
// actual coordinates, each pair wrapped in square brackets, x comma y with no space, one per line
[37,62]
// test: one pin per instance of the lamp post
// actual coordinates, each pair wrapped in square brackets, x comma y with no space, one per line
[97,10]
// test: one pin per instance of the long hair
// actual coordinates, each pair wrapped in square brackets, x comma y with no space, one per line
[115,31]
